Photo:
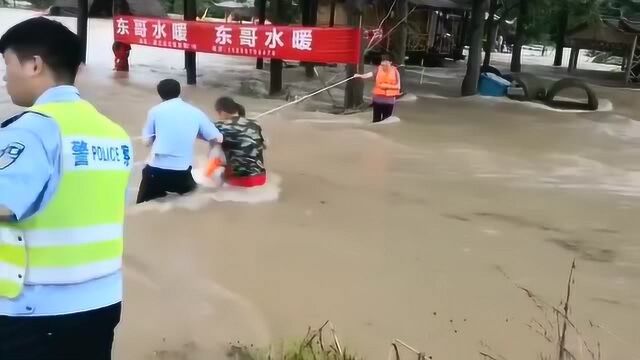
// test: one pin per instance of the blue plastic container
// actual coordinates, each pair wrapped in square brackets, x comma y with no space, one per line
[492,87]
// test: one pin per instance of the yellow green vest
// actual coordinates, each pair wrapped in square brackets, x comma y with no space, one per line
[78,236]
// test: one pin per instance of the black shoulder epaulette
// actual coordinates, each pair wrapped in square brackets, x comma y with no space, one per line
[15,118]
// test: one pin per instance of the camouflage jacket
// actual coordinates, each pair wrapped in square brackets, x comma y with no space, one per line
[243,146]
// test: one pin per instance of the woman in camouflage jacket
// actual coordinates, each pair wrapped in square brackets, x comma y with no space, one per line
[243,144]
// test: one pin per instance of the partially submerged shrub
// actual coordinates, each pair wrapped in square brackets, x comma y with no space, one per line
[311,347]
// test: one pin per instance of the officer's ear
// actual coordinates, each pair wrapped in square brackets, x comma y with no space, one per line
[32,65]
[36,66]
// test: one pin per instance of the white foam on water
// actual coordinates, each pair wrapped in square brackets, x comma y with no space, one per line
[574,172]
[605,105]
[434,96]
[331,121]
[440,73]
[268,192]
[619,126]
[408,98]
[422,74]
[387,121]
[208,192]
[561,171]
[628,190]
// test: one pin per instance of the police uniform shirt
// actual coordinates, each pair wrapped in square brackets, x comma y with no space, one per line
[29,176]
[174,125]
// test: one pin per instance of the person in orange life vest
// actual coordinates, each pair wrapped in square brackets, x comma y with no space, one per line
[386,89]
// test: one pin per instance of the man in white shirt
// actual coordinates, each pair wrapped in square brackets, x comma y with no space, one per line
[171,129]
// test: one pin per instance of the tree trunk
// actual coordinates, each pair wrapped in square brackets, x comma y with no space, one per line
[516,56]
[190,13]
[470,82]
[492,30]
[462,37]
[275,77]
[275,69]
[398,43]
[309,18]
[83,21]
[332,15]
[563,22]
[261,6]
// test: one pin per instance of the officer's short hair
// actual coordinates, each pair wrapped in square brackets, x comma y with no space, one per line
[59,47]
[168,89]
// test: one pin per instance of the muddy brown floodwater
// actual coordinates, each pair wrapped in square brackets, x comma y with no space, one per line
[425,230]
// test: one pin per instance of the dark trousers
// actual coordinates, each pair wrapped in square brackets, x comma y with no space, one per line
[156,183]
[81,336]
[381,111]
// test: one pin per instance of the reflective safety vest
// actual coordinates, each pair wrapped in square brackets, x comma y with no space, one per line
[387,82]
[78,235]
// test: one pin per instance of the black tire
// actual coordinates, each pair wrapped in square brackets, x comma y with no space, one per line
[490,69]
[561,85]
[508,77]
[533,87]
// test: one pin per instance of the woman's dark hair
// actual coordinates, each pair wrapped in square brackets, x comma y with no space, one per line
[385,57]
[229,106]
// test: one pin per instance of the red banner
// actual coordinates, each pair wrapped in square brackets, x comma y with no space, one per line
[311,44]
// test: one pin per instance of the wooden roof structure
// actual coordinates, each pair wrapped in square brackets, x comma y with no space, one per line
[608,35]
[631,25]
[604,35]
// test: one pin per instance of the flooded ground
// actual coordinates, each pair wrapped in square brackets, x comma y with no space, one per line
[425,230]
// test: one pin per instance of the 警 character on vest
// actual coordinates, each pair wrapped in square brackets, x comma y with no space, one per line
[386,89]
[64,170]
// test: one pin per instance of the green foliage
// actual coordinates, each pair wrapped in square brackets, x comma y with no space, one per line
[312,347]
[542,22]
[289,12]
[292,352]
[584,11]
[617,8]
[177,6]
[507,9]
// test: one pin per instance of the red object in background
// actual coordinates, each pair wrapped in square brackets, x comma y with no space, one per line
[121,52]
[310,44]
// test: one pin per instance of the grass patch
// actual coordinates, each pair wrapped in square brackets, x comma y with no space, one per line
[314,346]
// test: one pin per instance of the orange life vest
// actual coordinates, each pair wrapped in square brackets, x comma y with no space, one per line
[387,82]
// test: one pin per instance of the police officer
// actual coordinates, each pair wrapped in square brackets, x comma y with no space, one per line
[171,130]
[64,169]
